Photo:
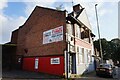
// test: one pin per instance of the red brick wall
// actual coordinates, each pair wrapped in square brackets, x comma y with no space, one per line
[44,65]
[30,35]
[28,64]
[14,37]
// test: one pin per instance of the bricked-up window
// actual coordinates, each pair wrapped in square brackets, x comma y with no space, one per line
[70,29]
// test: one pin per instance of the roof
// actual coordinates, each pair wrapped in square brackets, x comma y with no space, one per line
[81,17]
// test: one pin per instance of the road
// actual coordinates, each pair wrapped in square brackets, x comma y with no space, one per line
[24,75]
[92,76]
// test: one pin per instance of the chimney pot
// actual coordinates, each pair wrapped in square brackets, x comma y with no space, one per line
[77,7]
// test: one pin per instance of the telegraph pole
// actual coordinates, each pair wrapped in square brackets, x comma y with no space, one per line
[99,33]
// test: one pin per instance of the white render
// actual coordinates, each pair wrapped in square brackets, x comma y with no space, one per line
[84,19]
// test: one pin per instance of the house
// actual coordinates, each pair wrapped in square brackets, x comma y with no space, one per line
[56,42]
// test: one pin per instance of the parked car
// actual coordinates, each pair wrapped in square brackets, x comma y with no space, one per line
[105,70]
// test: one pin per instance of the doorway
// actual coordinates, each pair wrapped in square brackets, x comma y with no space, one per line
[72,63]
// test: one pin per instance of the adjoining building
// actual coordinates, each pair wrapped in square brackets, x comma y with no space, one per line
[56,42]
[9,53]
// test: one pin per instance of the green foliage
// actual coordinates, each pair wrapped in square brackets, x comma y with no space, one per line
[110,49]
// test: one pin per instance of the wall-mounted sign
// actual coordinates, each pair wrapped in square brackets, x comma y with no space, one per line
[55,60]
[36,63]
[53,35]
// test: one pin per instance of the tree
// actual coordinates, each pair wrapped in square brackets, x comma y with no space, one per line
[115,47]
[105,47]
[110,49]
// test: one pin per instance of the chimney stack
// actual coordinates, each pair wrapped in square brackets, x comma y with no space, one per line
[77,7]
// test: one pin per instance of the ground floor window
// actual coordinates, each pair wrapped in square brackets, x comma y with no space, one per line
[83,55]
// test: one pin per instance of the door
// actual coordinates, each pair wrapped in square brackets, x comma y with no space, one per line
[72,63]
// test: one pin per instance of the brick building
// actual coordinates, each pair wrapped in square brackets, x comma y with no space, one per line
[56,42]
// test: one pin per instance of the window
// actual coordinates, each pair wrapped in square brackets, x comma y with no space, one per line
[90,55]
[87,54]
[78,33]
[77,49]
[79,54]
[89,59]
[70,29]
[82,55]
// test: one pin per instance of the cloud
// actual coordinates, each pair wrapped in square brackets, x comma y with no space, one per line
[8,24]
[88,4]
[2,5]
[2,18]
[102,12]
[31,5]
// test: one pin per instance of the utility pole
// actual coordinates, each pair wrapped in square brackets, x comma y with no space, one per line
[99,33]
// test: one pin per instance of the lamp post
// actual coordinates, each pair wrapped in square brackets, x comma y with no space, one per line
[99,33]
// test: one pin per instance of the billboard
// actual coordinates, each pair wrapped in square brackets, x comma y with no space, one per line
[53,35]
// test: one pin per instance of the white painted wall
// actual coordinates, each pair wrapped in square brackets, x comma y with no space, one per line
[84,19]
[86,66]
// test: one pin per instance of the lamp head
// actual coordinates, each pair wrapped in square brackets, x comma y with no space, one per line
[96,4]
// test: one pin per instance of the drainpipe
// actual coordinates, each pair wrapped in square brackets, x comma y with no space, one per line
[67,56]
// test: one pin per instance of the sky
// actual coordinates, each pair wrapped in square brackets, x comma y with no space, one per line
[14,14]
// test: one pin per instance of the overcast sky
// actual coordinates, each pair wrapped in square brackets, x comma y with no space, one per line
[14,13]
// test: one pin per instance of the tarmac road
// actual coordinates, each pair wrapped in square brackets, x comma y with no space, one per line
[24,75]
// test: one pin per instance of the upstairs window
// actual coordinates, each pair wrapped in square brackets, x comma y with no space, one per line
[70,29]
[78,31]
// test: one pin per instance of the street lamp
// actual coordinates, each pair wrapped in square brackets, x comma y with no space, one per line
[99,33]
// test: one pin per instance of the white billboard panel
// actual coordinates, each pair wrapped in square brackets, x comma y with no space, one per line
[53,35]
